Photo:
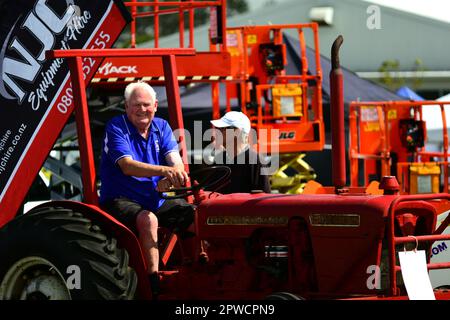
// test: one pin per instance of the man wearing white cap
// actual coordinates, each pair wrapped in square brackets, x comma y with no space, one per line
[245,164]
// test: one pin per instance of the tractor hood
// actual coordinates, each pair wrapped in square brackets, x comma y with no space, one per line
[246,212]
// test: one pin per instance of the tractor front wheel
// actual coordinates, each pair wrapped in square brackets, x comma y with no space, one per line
[58,254]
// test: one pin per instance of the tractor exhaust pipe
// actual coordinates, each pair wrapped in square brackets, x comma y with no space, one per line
[337,118]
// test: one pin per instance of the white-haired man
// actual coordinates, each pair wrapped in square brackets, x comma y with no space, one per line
[140,154]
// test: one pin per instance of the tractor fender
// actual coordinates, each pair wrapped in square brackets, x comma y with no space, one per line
[125,237]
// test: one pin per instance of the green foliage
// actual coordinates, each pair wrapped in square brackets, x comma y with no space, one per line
[418,67]
[387,67]
[236,6]
[390,67]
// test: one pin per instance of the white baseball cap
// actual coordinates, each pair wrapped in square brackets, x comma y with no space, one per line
[234,119]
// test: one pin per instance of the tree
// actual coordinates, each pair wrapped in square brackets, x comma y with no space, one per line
[236,7]
[389,67]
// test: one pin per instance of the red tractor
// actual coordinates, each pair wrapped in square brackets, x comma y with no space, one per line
[246,246]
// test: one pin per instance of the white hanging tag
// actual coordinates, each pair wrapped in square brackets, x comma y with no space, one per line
[415,275]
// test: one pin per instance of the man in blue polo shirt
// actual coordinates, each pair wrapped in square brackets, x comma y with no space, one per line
[140,156]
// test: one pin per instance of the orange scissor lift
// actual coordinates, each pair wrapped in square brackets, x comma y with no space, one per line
[285,110]
[388,138]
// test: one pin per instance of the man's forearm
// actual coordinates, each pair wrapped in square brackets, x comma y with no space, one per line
[174,160]
[174,171]
[178,166]
[135,168]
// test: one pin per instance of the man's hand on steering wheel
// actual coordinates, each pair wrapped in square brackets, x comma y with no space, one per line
[176,176]
[213,178]
[164,185]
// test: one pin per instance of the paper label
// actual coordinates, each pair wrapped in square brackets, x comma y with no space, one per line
[415,275]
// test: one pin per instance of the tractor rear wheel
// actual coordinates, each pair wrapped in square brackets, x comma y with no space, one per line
[58,254]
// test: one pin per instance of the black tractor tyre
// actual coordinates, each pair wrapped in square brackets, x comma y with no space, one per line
[283,296]
[56,254]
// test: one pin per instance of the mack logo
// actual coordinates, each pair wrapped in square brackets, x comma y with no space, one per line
[108,68]
[43,24]
[287,135]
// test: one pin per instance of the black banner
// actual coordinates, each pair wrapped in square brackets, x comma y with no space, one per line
[31,86]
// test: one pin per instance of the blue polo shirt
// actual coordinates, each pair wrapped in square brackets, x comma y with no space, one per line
[121,140]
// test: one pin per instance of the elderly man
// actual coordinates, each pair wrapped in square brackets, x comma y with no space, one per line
[140,157]
[244,162]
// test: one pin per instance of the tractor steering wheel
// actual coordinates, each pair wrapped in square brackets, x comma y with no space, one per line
[212,178]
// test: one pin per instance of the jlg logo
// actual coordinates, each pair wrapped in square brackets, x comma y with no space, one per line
[43,24]
[287,135]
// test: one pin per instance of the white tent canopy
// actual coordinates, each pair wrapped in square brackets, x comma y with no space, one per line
[432,115]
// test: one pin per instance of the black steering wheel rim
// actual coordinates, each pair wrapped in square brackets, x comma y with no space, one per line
[214,185]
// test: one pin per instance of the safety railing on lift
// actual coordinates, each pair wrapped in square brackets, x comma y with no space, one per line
[160,8]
